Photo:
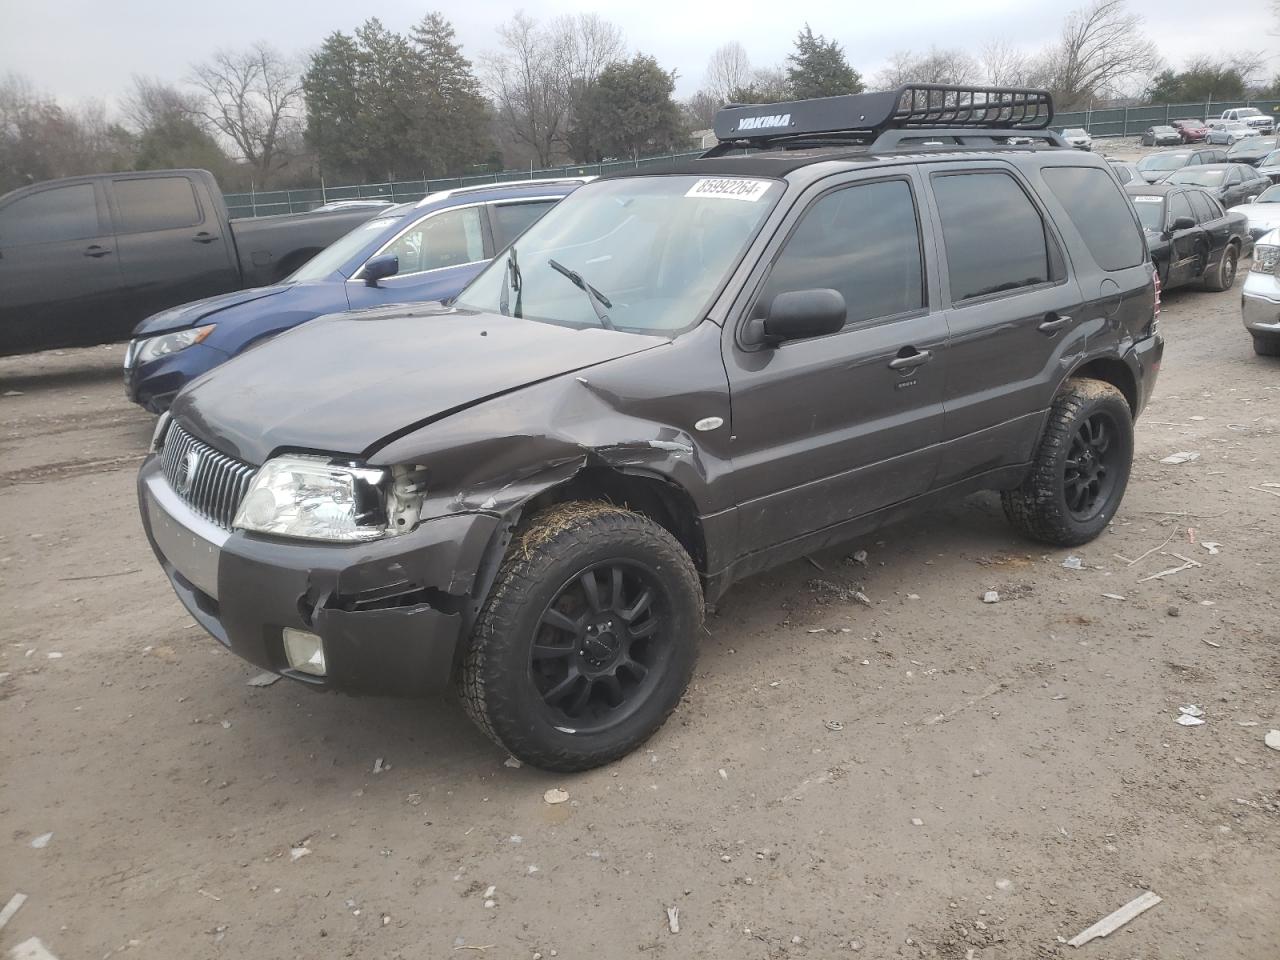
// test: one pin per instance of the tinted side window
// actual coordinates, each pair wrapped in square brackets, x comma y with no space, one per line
[993,234]
[1099,211]
[862,240]
[1203,206]
[162,203]
[1124,174]
[511,219]
[63,213]
[1179,207]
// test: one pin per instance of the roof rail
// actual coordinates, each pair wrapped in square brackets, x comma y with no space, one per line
[474,187]
[916,106]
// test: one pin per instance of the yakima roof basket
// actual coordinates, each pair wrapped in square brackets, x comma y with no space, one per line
[912,106]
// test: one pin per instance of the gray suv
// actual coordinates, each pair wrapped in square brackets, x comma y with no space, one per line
[840,315]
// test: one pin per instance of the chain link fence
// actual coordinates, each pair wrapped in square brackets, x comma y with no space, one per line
[1132,121]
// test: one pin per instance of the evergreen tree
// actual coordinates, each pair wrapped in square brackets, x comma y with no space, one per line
[451,115]
[331,85]
[818,68]
[630,110]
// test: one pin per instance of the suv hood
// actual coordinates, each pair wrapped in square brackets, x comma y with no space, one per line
[189,314]
[346,382]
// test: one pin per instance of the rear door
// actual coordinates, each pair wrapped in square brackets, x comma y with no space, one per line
[171,245]
[59,273]
[1215,225]
[439,254]
[830,428]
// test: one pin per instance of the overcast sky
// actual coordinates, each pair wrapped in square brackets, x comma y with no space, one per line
[75,49]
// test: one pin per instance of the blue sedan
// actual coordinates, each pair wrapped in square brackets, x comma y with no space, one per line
[411,253]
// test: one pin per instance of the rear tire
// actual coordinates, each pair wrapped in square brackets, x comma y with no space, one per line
[1081,467]
[1224,274]
[587,640]
[1266,344]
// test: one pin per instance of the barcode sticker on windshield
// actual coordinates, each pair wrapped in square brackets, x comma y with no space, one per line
[1148,199]
[729,188]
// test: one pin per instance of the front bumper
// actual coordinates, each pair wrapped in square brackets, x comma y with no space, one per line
[390,613]
[1260,303]
[154,385]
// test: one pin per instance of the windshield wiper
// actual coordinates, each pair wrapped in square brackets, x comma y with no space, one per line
[512,281]
[598,300]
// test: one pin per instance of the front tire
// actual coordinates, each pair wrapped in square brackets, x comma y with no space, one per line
[587,640]
[1225,274]
[1081,467]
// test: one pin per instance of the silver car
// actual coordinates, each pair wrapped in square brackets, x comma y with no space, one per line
[1229,131]
[1263,212]
[1261,300]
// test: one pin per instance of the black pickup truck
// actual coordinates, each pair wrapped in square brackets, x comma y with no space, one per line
[83,260]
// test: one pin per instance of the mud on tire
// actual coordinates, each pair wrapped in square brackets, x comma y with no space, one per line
[587,640]
[1081,467]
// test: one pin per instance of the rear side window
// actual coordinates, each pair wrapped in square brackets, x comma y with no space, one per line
[993,234]
[511,219]
[1100,213]
[862,240]
[155,203]
[63,213]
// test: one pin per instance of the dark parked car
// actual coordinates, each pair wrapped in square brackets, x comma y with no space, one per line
[1125,172]
[409,253]
[1161,137]
[1191,131]
[1229,183]
[1253,150]
[1191,238]
[675,379]
[1156,166]
[82,260]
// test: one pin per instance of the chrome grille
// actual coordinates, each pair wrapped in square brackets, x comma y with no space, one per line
[212,483]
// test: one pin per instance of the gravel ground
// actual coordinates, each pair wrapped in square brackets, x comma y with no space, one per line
[929,776]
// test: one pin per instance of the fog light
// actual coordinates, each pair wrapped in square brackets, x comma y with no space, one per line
[304,651]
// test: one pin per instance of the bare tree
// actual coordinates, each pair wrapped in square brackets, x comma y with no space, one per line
[700,110]
[529,82]
[1002,64]
[729,69]
[253,98]
[590,43]
[1102,49]
[936,66]
[152,101]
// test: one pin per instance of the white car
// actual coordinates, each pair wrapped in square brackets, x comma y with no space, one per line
[1078,138]
[1229,131]
[1251,116]
[1263,212]
[1261,300]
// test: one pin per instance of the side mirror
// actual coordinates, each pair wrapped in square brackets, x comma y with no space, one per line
[379,268]
[1182,223]
[799,315]
[1251,199]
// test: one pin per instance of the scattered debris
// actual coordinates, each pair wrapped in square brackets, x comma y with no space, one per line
[42,841]
[673,919]
[1211,546]
[1113,596]
[917,822]
[31,949]
[1003,884]
[226,724]
[264,679]
[723,774]
[555,795]
[861,598]
[13,906]
[206,893]
[1113,922]
[835,725]
[1191,710]
[297,853]
[379,766]
[54,655]
[1073,563]
[1189,721]
[1173,612]
[1171,571]
[816,564]
[413,799]
[859,556]
[1272,739]
[1274,493]
[1182,456]
[991,597]
[513,763]
[1210,642]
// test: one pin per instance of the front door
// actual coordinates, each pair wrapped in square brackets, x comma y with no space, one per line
[59,274]
[1188,246]
[828,429]
[172,248]
[438,254]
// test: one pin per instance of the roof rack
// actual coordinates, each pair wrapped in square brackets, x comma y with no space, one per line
[913,106]
[475,187]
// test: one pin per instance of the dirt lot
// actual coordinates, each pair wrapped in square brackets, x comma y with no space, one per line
[1000,776]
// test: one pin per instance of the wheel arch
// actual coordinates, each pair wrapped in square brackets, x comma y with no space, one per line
[1110,370]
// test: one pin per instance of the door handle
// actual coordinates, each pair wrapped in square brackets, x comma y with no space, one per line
[205,237]
[1053,322]
[909,361]
[96,251]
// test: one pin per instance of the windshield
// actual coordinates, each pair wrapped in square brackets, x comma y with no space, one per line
[1163,130]
[1248,112]
[1253,147]
[1163,161]
[1150,212]
[1269,195]
[1203,178]
[649,252]
[332,257]
[1075,132]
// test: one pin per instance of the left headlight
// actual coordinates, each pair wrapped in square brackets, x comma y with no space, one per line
[1266,258]
[318,498]
[153,348]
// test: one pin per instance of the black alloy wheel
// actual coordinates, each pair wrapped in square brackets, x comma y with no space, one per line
[1089,473]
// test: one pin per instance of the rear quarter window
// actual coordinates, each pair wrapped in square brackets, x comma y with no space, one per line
[1100,214]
